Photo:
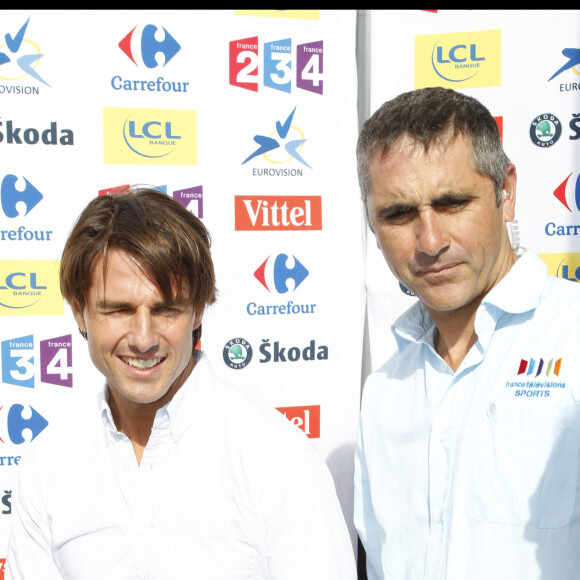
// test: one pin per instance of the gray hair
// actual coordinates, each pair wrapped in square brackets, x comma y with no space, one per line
[433,116]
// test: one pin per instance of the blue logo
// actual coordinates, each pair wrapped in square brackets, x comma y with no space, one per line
[22,53]
[17,424]
[149,47]
[286,137]
[275,274]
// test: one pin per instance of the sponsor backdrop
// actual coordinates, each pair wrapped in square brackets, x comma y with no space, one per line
[249,119]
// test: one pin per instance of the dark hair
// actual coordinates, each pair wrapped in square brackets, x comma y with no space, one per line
[170,244]
[430,116]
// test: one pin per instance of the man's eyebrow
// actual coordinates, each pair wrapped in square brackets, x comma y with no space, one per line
[395,207]
[452,196]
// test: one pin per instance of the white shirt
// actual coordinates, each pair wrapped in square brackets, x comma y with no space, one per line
[226,489]
[473,475]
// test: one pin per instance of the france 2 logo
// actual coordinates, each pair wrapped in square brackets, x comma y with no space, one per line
[278,62]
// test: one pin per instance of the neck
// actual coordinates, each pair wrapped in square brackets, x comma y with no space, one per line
[453,341]
[136,419]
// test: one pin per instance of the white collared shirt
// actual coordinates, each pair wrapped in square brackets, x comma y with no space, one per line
[226,489]
[473,475]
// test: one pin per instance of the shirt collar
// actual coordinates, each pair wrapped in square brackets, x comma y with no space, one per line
[518,291]
[185,405]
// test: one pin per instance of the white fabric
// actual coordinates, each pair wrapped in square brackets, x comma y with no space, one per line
[225,489]
[473,475]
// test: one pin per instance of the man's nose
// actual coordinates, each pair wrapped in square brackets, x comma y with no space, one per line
[143,334]
[432,237]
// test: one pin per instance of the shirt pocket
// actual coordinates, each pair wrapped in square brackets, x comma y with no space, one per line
[525,472]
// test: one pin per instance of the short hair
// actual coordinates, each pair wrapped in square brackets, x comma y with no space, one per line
[170,244]
[433,116]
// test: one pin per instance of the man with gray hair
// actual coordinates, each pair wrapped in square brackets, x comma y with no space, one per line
[467,458]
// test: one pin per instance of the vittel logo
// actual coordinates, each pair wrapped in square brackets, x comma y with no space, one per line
[254,213]
[306,418]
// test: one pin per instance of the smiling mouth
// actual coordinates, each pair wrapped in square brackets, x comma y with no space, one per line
[140,363]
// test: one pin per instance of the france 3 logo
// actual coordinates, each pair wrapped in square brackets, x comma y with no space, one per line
[278,61]
[18,361]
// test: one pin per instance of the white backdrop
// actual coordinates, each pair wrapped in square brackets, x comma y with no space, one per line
[248,118]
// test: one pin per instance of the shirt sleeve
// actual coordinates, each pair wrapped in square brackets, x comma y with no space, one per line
[29,554]
[364,516]
[306,534]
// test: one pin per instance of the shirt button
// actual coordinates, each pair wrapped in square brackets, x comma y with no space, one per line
[490,410]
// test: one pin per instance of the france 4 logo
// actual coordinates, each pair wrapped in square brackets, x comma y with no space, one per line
[278,61]
[18,361]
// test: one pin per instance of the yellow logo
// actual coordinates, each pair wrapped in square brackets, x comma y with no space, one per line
[30,287]
[458,59]
[150,136]
[300,14]
[563,265]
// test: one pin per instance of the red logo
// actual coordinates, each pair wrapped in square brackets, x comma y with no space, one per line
[306,418]
[278,213]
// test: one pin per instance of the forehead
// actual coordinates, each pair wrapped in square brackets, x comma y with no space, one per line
[119,271]
[408,165]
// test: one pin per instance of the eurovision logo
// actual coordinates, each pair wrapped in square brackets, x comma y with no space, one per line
[19,58]
[571,62]
[282,145]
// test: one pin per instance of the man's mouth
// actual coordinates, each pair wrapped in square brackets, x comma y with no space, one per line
[140,363]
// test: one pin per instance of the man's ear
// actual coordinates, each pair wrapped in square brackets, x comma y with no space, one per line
[79,318]
[508,201]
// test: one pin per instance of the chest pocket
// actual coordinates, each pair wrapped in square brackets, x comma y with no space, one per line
[525,471]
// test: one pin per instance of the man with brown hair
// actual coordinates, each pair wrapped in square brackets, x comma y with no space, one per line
[171,473]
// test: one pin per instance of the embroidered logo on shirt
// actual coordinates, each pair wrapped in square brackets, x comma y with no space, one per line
[536,378]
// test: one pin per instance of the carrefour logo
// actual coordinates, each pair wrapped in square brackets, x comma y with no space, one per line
[142,46]
[30,287]
[280,275]
[150,136]
[568,196]
[458,59]
[282,145]
[23,423]
[564,194]
[150,47]
[275,273]
[19,58]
